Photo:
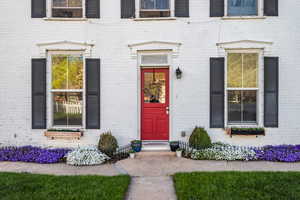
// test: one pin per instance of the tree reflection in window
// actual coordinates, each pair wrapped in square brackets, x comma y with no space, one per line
[154,87]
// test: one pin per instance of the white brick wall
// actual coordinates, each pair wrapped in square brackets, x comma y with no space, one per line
[199,34]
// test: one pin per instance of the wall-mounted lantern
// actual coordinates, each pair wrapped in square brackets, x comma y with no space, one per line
[178,73]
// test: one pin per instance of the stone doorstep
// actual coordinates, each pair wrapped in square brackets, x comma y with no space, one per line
[63,135]
[156,147]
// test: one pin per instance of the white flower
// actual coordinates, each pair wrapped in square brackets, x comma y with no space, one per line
[86,156]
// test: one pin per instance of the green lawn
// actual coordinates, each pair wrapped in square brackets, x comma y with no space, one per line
[237,185]
[39,187]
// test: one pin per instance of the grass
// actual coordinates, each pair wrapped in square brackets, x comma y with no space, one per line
[237,185]
[43,187]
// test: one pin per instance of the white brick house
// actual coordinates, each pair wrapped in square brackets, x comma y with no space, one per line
[111,65]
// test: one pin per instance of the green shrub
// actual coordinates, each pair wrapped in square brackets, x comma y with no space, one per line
[199,139]
[108,144]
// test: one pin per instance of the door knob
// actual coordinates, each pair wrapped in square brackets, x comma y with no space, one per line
[167,110]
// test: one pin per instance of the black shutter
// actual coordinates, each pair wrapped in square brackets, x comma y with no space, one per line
[217,8]
[127,8]
[217,92]
[93,93]
[182,8]
[271,7]
[38,8]
[38,93]
[92,8]
[271,91]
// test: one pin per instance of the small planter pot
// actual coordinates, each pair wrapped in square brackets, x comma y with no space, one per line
[132,155]
[179,154]
[174,146]
[136,146]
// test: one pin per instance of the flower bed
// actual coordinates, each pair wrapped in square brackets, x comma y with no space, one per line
[280,153]
[86,156]
[32,154]
[219,151]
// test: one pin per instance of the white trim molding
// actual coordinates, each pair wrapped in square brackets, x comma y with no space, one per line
[155,46]
[65,45]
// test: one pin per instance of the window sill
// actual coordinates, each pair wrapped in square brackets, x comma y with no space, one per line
[64,19]
[243,17]
[155,19]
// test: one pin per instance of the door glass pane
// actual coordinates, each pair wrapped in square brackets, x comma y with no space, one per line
[234,107]
[154,87]
[242,7]
[250,66]
[147,4]
[234,70]
[59,3]
[67,109]
[67,72]
[249,106]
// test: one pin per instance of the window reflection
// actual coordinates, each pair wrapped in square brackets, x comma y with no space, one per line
[154,87]
[67,108]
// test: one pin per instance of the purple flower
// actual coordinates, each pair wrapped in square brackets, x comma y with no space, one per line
[279,153]
[32,154]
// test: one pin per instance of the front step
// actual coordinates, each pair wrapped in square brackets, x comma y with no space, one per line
[156,146]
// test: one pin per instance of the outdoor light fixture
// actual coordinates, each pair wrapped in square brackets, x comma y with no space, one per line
[178,73]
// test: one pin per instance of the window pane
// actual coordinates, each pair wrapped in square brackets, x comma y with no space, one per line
[234,70]
[147,4]
[242,7]
[67,109]
[75,3]
[154,59]
[234,107]
[162,4]
[250,66]
[59,71]
[67,72]
[75,72]
[249,106]
[154,87]
[60,3]
[67,13]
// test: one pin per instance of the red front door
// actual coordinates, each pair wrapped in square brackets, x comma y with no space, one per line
[155,104]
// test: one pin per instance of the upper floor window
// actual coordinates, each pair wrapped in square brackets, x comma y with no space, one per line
[155,8]
[242,8]
[67,8]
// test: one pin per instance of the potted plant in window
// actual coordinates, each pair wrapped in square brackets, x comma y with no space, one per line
[174,145]
[246,131]
[64,133]
[132,154]
[179,153]
[136,145]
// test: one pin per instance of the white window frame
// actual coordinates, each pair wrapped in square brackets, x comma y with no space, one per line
[50,91]
[260,11]
[138,9]
[259,89]
[50,6]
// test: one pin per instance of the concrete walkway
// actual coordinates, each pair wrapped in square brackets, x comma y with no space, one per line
[150,172]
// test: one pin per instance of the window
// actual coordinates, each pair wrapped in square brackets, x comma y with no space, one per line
[67,8]
[155,8]
[242,87]
[242,7]
[67,90]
